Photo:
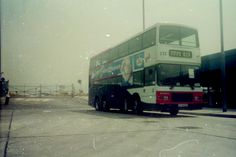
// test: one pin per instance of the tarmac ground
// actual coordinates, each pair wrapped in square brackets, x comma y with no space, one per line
[48,127]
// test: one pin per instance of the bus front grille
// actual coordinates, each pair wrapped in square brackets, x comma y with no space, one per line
[182,97]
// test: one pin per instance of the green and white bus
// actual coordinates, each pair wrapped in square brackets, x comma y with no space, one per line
[157,69]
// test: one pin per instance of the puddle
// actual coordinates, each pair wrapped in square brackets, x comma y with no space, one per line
[189,127]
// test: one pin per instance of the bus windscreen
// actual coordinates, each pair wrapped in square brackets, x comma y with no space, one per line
[178,75]
[175,35]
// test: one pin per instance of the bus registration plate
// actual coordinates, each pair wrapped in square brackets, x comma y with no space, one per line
[182,105]
[178,53]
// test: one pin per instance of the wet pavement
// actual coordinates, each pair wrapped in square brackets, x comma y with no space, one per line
[48,127]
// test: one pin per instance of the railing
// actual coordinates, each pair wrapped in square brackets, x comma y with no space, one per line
[42,90]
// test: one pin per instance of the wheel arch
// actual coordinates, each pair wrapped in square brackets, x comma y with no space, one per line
[136,96]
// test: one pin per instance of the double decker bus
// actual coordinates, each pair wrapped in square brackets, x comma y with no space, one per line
[157,69]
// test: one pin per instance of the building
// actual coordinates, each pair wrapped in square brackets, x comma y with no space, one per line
[211,78]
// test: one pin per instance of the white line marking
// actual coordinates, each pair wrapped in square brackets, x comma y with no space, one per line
[178,145]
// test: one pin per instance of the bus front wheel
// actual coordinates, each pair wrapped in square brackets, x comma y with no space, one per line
[137,106]
[174,112]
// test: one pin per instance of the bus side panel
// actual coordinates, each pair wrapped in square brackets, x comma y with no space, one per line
[114,95]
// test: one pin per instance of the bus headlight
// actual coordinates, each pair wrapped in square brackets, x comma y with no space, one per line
[163,97]
[198,97]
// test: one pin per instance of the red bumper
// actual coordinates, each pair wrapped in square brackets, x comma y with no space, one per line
[167,98]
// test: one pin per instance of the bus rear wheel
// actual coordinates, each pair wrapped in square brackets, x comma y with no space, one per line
[7,100]
[124,107]
[105,105]
[97,105]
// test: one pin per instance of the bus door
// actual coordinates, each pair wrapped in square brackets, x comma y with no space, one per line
[149,89]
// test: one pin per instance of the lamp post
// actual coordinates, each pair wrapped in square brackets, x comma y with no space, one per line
[0,37]
[143,15]
[223,73]
[0,49]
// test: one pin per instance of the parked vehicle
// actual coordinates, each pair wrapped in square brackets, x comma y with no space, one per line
[4,90]
[157,69]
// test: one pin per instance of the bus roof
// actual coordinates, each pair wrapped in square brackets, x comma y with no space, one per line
[147,29]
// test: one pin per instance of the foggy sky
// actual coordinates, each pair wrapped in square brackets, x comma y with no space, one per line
[51,41]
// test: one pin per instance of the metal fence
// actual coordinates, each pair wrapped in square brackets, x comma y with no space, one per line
[42,90]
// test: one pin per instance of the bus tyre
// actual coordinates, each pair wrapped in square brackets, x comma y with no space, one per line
[7,100]
[174,112]
[137,106]
[124,107]
[105,105]
[97,105]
